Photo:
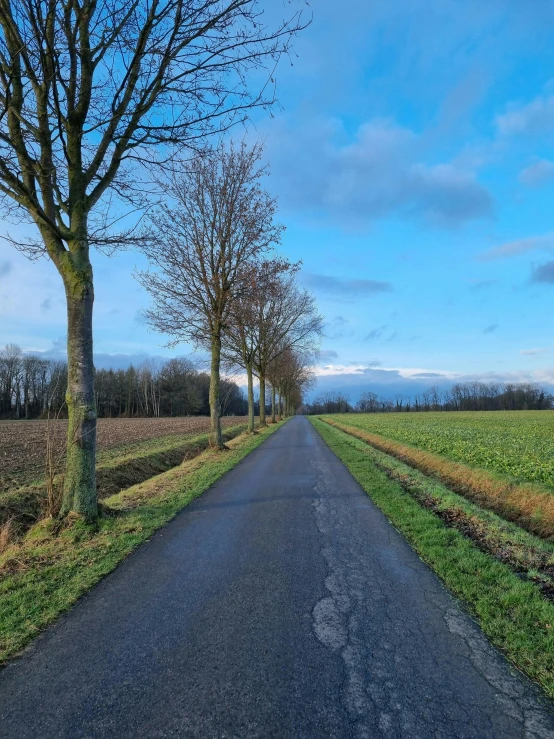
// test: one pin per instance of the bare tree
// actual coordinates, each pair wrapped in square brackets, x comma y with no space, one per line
[274,373]
[238,353]
[368,402]
[239,345]
[11,365]
[204,249]
[287,319]
[292,374]
[88,90]
[274,316]
[246,329]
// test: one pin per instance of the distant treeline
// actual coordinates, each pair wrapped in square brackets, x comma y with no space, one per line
[466,396]
[33,387]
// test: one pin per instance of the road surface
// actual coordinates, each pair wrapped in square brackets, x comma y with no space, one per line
[279,604]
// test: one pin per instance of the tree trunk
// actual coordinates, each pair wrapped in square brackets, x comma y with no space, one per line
[273,409]
[80,472]
[263,423]
[216,437]
[250,398]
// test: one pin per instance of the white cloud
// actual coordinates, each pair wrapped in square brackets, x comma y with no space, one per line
[408,381]
[531,352]
[520,246]
[345,288]
[362,369]
[537,174]
[536,117]
[381,171]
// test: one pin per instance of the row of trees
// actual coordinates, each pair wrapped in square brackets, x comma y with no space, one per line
[215,280]
[29,385]
[99,100]
[467,396]
[34,387]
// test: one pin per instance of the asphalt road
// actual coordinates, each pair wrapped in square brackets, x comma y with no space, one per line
[280,604]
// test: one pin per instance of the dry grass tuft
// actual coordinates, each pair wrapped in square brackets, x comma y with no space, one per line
[6,535]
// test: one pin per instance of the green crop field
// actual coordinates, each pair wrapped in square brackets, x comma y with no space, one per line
[515,443]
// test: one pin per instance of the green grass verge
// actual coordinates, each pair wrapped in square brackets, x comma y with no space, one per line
[525,553]
[45,574]
[511,611]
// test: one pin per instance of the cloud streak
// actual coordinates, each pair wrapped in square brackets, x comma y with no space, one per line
[375,333]
[335,328]
[544,273]
[490,329]
[345,288]
[534,118]
[537,174]
[328,354]
[480,285]
[520,246]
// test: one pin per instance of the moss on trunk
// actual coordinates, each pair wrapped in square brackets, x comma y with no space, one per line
[250,397]
[216,436]
[263,422]
[80,473]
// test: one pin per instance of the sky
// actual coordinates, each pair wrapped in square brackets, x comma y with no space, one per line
[413,160]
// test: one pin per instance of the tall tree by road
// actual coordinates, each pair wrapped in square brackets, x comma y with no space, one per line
[291,374]
[287,319]
[204,247]
[244,328]
[88,89]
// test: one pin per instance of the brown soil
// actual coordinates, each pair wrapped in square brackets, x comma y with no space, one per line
[23,443]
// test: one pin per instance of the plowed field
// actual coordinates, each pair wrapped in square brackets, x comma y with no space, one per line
[23,443]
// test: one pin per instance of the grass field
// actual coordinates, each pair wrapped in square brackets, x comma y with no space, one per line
[23,443]
[500,461]
[515,443]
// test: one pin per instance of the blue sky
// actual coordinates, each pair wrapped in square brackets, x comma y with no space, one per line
[414,164]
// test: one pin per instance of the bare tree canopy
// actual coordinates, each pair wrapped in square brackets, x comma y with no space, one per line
[288,319]
[291,374]
[275,315]
[88,90]
[245,327]
[204,248]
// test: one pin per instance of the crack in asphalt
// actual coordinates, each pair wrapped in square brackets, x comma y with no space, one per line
[407,648]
